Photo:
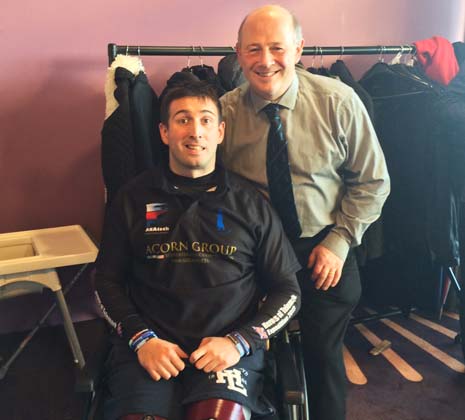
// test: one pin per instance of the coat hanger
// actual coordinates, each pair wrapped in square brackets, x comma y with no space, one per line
[200,56]
[410,58]
[321,58]
[408,72]
[416,84]
[313,59]
[323,71]
[188,66]
[398,58]
[382,49]
[339,57]
[312,68]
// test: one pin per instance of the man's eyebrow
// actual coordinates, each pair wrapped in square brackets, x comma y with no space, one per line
[181,111]
[186,111]
[257,45]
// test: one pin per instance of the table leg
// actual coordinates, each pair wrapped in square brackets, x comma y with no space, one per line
[70,331]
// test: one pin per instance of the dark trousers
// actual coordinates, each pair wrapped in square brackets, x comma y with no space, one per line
[323,319]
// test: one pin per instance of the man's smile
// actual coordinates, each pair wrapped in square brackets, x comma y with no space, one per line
[266,73]
[196,147]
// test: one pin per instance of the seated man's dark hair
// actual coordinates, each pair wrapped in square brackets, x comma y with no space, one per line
[187,88]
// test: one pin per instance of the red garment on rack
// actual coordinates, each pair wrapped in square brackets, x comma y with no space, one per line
[437,57]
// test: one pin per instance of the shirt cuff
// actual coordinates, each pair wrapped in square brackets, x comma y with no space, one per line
[336,244]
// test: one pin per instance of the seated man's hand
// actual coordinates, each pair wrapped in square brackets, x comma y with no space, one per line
[215,354]
[327,267]
[161,359]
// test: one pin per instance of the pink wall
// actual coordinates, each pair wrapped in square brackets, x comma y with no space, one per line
[53,67]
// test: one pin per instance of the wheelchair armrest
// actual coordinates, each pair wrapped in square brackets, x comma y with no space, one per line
[287,371]
[85,381]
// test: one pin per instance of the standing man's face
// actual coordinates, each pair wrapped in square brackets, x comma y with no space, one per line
[192,136]
[267,52]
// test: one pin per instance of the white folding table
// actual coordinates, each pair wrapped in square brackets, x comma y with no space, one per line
[28,262]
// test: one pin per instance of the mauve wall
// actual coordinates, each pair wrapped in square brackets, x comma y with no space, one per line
[53,67]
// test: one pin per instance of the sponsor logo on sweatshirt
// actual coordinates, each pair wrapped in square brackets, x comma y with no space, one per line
[219,222]
[261,332]
[154,217]
[187,251]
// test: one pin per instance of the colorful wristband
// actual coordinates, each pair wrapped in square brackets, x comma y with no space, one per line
[243,341]
[240,342]
[236,343]
[140,338]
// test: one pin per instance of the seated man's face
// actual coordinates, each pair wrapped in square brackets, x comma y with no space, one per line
[192,135]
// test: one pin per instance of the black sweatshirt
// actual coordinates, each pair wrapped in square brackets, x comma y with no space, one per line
[190,264]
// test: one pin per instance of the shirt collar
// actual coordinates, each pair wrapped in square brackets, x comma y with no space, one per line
[160,180]
[287,100]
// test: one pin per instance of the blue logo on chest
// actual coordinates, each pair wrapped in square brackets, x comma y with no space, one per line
[219,221]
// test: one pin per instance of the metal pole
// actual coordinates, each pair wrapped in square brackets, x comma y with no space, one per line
[114,49]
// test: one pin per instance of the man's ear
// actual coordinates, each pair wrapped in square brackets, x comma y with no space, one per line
[163,133]
[221,127]
[300,49]
[237,48]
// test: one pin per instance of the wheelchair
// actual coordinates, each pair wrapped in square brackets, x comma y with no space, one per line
[284,377]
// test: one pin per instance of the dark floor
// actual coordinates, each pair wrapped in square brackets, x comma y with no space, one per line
[387,394]
[40,383]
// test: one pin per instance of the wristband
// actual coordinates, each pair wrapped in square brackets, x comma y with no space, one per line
[240,342]
[237,344]
[243,342]
[137,335]
[140,338]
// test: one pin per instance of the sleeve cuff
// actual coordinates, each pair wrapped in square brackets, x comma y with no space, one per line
[132,325]
[336,244]
[253,340]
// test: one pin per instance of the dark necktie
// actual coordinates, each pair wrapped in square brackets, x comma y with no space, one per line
[279,174]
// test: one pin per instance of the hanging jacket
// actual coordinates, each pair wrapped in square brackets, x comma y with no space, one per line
[230,73]
[207,73]
[422,208]
[340,70]
[178,78]
[130,138]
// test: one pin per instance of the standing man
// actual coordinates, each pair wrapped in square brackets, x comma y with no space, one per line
[188,251]
[307,142]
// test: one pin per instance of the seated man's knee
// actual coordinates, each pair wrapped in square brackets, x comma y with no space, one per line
[217,409]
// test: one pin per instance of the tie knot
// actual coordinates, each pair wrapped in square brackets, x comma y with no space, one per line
[272,111]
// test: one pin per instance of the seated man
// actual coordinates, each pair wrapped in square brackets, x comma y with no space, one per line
[187,253]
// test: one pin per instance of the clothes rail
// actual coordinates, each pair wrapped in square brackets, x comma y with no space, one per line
[114,49]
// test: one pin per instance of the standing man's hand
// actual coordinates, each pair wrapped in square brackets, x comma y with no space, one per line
[161,359]
[327,267]
[215,354]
